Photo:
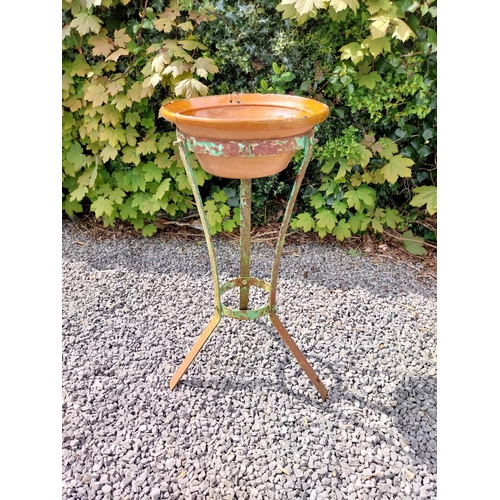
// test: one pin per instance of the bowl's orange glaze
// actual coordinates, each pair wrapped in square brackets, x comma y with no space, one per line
[245,117]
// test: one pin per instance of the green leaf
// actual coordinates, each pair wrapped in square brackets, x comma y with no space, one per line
[377,46]
[342,230]
[127,211]
[431,36]
[391,218]
[71,206]
[117,195]
[102,206]
[369,81]
[152,172]
[317,201]
[228,225]
[359,222]
[326,219]
[134,180]
[357,197]
[340,207]
[413,244]
[220,196]
[398,166]
[425,195]
[75,156]
[304,221]
[162,189]
[149,205]
[149,230]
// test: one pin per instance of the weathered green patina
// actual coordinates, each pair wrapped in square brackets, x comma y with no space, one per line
[244,282]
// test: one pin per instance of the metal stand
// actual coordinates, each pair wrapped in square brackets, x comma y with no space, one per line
[244,282]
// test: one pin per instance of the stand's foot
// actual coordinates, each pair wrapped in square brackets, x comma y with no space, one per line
[200,342]
[299,356]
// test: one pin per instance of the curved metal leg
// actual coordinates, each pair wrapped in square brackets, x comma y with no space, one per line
[308,141]
[299,356]
[200,342]
[184,152]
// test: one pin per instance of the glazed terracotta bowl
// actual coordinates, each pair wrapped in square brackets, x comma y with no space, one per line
[243,136]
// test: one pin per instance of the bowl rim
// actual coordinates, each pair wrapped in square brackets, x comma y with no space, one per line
[174,111]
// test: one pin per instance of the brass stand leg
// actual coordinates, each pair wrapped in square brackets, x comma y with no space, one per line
[245,228]
[299,356]
[200,342]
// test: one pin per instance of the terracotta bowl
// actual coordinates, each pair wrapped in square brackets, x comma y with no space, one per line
[252,119]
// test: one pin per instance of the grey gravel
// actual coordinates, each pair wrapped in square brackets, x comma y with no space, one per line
[244,421]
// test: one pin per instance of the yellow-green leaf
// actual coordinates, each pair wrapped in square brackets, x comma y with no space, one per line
[86,23]
[402,31]
[129,155]
[97,95]
[339,5]
[326,219]
[342,230]
[108,153]
[113,135]
[162,189]
[203,66]
[352,51]
[398,166]
[147,146]
[190,87]
[304,221]
[377,45]
[121,102]
[425,195]
[379,26]
[102,206]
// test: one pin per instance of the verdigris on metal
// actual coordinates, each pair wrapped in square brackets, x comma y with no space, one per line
[264,147]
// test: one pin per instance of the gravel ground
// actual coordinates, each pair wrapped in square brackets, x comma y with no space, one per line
[244,422]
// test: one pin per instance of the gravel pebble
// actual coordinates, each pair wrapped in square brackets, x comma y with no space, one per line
[244,412]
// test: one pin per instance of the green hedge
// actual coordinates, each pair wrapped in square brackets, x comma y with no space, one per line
[373,62]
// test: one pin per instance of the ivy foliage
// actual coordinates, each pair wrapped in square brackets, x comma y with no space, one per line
[372,61]
[121,60]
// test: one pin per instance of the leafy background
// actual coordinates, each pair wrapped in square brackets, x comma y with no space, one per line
[373,62]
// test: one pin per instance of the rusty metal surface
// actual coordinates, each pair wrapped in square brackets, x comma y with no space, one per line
[244,148]
[200,342]
[307,146]
[245,228]
[203,217]
[299,356]
[245,281]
